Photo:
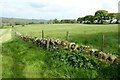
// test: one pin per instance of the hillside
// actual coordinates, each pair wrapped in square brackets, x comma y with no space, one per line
[21,20]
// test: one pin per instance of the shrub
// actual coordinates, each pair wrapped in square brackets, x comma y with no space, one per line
[105,22]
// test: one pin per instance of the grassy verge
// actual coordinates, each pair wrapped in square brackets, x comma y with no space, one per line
[25,60]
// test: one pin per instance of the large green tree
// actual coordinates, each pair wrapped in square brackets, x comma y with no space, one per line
[80,19]
[89,18]
[112,16]
[101,15]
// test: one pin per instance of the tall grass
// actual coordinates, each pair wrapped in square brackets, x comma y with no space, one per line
[26,60]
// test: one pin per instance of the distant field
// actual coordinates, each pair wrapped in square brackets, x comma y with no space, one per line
[59,30]
[79,33]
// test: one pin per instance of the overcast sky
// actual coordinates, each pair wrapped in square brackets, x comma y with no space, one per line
[51,9]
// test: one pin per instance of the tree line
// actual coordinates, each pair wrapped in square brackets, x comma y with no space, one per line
[100,17]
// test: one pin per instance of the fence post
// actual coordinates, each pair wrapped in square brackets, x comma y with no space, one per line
[67,35]
[48,44]
[42,34]
[102,48]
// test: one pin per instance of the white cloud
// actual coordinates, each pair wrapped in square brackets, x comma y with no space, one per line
[50,9]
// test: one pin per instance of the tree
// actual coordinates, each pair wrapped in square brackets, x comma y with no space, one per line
[101,15]
[17,23]
[89,19]
[50,22]
[31,23]
[68,21]
[55,21]
[73,21]
[111,17]
[80,19]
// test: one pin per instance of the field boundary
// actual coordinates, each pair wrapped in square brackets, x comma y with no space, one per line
[49,44]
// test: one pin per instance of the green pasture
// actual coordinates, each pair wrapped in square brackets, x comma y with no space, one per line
[59,30]
[25,60]
[80,33]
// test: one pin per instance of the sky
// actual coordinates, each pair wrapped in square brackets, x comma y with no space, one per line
[51,9]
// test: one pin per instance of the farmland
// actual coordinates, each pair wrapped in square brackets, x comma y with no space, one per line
[79,33]
[21,59]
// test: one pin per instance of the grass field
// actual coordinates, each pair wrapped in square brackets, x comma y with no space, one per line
[25,60]
[82,34]
[5,35]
